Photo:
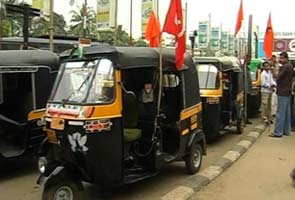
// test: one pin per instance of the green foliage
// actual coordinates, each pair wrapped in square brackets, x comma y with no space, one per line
[121,37]
[140,43]
[77,20]
[39,25]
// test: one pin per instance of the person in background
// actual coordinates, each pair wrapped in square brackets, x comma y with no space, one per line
[284,81]
[275,70]
[293,102]
[267,88]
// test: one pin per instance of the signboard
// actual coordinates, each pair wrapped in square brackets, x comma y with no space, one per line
[203,34]
[106,14]
[215,36]
[279,35]
[42,5]
[287,45]
[224,40]
[146,8]
[231,44]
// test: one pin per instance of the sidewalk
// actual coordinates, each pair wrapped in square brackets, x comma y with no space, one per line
[262,173]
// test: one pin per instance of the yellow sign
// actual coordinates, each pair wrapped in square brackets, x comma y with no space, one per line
[106,14]
[146,8]
[37,4]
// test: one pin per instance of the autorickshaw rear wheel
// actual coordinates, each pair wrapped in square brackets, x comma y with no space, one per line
[193,160]
[64,190]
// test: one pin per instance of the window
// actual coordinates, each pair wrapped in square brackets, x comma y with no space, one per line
[86,82]
[208,76]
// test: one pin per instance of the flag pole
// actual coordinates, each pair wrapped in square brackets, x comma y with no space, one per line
[160,78]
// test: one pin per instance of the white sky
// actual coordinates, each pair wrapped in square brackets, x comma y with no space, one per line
[222,12]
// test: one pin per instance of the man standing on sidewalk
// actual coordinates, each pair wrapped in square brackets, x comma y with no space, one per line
[267,88]
[284,90]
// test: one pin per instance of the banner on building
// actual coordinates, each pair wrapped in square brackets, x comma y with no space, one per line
[215,38]
[231,44]
[146,7]
[106,14]
[203,34]
[224,40]
[42,5]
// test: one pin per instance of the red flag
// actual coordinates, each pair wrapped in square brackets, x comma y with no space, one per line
[174,25]
[152,30]
[240,18]
[268,39]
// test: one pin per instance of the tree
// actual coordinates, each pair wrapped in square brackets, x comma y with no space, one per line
[39,25]
[140,43]
[108,36]
[78,22]
[12,23]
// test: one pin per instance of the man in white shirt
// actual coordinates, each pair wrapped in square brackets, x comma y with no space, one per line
[267,88]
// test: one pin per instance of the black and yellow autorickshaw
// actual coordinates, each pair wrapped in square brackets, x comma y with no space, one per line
[104,125]
[254,95]
[222,93]
[26,79]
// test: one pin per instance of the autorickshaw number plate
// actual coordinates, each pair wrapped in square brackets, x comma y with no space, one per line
[57,123]
[51,136]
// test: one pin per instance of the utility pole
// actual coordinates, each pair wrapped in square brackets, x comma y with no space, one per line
[130,21]
[250,36]
[116,23]
[209,36]
[85,19]
[51,47]
[1,32]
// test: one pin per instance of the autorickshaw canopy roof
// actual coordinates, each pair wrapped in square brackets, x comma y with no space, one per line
[255,64]
[224,63]
[131,57]
[28,58]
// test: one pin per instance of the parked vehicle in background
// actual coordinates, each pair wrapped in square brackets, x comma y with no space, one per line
[26,79]
[222,93]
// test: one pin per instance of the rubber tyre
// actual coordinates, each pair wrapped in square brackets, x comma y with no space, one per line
[68,188]
[193,160]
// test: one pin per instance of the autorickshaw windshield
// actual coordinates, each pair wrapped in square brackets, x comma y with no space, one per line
[90,81]
[208,76]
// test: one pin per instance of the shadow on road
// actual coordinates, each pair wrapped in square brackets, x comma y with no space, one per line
[16,167]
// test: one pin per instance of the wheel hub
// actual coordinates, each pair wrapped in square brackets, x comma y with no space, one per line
[64,193]
[197,158]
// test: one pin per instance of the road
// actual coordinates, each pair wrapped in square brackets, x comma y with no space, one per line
[18,177]
[261,173]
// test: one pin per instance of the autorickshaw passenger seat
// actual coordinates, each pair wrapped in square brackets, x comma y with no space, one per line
[130,118]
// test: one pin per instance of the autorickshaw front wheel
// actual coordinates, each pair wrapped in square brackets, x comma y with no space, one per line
[193,160]
[64,190]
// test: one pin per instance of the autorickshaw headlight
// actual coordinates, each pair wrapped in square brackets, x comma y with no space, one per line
[42,162]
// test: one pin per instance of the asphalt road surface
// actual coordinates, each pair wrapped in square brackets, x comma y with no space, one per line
[18,177]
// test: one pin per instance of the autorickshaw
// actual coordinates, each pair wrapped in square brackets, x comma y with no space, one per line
[222,93]
[254,97]
[26,79]
[110,122]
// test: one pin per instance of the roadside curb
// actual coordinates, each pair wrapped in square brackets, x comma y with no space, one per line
[196,182]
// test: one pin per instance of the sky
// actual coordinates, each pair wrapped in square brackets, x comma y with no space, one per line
[223,12]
